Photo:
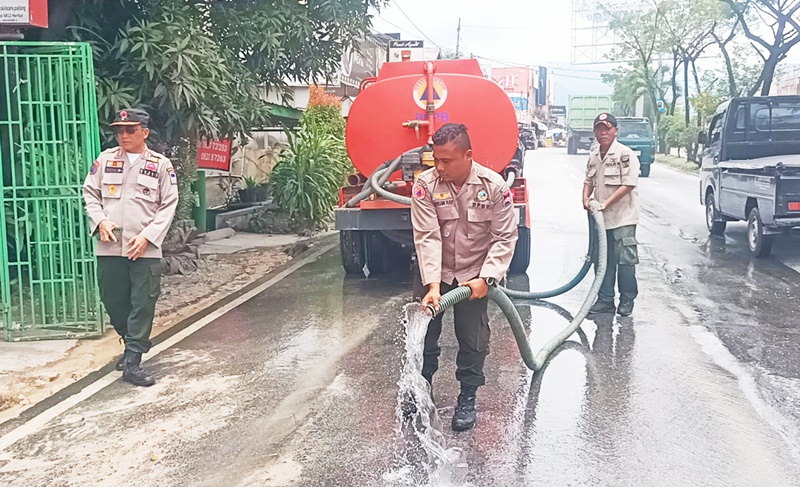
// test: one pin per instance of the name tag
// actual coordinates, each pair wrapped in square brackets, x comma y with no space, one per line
[148,172]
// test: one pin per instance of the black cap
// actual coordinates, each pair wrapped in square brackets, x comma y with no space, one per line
[132,116]
[606,119]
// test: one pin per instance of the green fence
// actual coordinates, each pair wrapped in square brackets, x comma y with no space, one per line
[48,140]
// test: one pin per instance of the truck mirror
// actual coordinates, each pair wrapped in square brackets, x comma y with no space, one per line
[702,138]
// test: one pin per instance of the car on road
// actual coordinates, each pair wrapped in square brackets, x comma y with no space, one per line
[750,168]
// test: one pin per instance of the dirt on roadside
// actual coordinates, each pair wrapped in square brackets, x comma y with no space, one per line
[181,296]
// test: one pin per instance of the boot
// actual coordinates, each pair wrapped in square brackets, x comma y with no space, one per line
[464,416]
[601,307]
[121,362]
[409,405]
[625,308]
[133,372]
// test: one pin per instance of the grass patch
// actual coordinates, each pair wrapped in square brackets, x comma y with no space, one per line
[679,163]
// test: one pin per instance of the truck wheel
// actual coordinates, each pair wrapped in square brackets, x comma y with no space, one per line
[351,246]
[382,254]
[522,252]
[645,170]
[760,244]
[571,150]
[715,224]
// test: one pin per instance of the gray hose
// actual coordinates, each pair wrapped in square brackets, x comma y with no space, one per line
[405,200]
[509,310]
[512,176]
[364,194]
[593,238]
[378,178]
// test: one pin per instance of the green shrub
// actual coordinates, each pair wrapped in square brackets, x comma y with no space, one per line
[305,182]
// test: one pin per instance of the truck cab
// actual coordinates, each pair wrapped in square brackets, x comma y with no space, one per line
[750,168]
[637,133]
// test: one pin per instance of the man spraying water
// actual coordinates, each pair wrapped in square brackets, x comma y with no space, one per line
[465,229]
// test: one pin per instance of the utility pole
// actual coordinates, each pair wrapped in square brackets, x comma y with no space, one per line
[458,38]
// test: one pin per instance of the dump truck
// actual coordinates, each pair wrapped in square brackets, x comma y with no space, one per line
[389,140]
[581,113]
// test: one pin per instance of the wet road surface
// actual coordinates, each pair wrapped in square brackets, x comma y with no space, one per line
[297,386]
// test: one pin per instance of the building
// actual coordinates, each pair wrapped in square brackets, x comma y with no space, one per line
[530,89]
[786,81]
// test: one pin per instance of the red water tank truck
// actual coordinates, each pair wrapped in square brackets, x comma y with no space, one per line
[391,123]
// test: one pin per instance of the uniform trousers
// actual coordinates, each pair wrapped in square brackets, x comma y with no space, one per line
[623,255]
[471,319]
[129,290]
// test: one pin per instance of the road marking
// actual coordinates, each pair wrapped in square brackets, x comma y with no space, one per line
[38,422]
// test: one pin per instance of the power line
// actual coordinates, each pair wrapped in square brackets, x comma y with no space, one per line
[398,27]
[412,23]
[497,28]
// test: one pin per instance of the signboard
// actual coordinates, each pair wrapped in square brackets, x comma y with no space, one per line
[541,95]
[558,111]
[406,51]
[358,65]
[520,104]
[23,12]
[513,80]
[214,154]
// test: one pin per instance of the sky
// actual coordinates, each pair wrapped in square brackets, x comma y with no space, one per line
[502,32]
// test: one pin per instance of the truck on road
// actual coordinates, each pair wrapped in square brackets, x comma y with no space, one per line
[637,133]
[581,113]
[750,168]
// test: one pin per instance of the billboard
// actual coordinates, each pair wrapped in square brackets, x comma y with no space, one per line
[558,111]
[514,80]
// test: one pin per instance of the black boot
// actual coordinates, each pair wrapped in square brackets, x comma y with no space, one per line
[409,405]
[133,372]
[464,416]
[121,362]
[601,307]
[625,308]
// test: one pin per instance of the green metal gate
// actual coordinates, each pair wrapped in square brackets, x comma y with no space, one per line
[48,140]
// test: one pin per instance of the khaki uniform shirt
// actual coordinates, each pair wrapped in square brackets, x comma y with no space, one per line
[620,167]
[466,234]
[141,198]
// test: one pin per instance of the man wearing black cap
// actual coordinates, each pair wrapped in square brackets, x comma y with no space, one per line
[611,178]
[131,195]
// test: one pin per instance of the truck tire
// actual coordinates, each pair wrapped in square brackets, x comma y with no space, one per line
[760,244]
[645,170]
[383,255]
[351,246]
[571,149]
[715,224]
[522,252]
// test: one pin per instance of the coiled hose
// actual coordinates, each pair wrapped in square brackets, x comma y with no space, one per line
[378,178]
[499,296]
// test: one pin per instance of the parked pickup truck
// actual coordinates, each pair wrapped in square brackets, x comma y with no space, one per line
[750,168]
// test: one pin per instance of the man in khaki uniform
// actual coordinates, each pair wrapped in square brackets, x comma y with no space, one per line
[611,178]
[465,229]
[131,195]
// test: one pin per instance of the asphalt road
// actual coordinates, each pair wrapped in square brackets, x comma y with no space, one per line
[297,386]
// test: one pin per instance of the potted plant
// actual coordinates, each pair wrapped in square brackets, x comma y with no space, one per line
[254,191]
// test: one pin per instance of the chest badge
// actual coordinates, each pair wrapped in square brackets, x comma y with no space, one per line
[482,195]
[112,190]
[442,196]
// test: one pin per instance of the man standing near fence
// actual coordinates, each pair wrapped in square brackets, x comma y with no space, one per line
[131,195]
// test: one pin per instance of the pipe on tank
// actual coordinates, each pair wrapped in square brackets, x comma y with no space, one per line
[430,107]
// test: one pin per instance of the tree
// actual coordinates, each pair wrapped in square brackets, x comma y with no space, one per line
[772,27]
[199,66]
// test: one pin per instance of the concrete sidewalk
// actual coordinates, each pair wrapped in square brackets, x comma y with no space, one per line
[226,241]
[32,371]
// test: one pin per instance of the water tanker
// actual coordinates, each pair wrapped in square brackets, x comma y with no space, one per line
[389,131]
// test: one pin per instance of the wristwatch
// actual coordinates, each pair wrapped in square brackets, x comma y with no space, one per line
[490,281]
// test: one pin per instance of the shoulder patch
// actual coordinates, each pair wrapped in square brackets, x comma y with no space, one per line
[419,191]
[95,165]
[625,158]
